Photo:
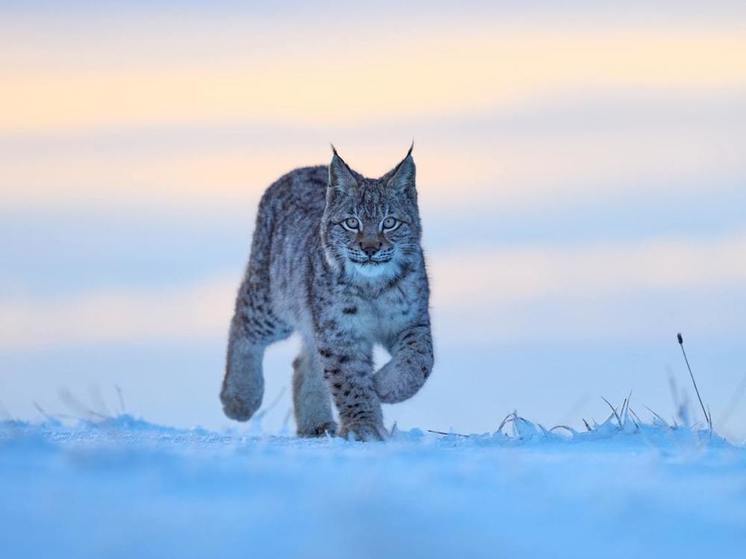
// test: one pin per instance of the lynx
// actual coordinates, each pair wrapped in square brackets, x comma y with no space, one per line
[335,257]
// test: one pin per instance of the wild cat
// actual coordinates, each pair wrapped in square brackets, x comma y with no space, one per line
[336,257]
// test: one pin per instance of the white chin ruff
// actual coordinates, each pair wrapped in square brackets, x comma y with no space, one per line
[373,270]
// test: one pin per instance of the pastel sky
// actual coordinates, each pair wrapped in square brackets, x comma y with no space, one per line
[580,170]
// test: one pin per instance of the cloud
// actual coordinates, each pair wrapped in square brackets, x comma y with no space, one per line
[493,160]
[631,292]
[465,70]
[479,296]
[183,313]
[499,275]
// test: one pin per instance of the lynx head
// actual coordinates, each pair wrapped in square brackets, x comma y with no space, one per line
[371,227]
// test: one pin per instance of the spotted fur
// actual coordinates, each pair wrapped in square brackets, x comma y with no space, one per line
[336,257]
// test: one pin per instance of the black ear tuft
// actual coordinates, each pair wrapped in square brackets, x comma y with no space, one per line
[341,176]
[402,176]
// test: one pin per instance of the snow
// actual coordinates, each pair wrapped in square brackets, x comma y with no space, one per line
[123,487]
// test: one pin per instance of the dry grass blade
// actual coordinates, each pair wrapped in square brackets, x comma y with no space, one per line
[613,410]
[680,338]
[42,412]
[261,413]
[658,417]
[505,421]
[77,406]
[120,397]
[565,427]
[446,434]
[635,418]
[625,407]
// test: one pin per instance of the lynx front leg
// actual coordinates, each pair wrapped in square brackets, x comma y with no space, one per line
[243,384]
[348,369]
[410,365]
[311,401]
[253,328]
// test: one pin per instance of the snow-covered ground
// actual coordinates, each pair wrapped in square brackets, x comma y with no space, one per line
[123,487]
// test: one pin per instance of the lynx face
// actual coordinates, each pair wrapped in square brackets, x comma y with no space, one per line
[371,227]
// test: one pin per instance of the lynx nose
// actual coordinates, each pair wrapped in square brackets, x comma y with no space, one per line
[370,247]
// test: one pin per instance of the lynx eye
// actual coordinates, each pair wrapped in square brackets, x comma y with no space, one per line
[351,224]
[390,223]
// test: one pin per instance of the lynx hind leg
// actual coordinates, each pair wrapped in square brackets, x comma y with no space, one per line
[311,398]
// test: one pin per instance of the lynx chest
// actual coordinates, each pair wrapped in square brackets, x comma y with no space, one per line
[380,318]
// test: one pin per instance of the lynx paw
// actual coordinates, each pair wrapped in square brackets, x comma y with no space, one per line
[363,431]
[238,407]
[386,382]
[327,428]
[393,385]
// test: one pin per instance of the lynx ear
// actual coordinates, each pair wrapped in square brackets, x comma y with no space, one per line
[402,176]
[340,174]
